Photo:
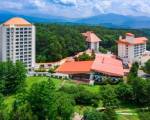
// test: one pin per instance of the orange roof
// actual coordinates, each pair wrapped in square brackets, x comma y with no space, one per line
[139,40]
[17,22]
[108,65]
[103,63]
[75,67]
[91,37]
[129,34]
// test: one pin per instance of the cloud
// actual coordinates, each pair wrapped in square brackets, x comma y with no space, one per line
[65,2]
[76,8]
[10,5]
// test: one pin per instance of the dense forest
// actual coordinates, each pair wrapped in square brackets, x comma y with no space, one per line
[57,41]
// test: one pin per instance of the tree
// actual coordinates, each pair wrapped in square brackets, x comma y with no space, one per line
[21,109]
[12,76]
[62,106]
[133,72]
[102,50]
[110,114]
[56,41]
[81,95]
[52,69]
[125,92]
[1,107]
[84,57]
[147,67]
[40,97]
[140,90]
[109,97]
[42,102]
[20,74]
[93,115]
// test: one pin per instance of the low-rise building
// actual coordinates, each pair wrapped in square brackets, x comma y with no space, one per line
[103,65]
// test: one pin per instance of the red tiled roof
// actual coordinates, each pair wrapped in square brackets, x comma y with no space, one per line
[91,37]
[108,65]
[129,34]
[105,64]
[75,67]
[139,40]
[17,21]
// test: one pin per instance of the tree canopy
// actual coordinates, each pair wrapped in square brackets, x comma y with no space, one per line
[57,41]
[147,67]
[12,76]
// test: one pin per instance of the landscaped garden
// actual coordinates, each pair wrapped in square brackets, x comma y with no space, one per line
[125,113]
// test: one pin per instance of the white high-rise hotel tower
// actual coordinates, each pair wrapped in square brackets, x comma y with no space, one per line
[17,41]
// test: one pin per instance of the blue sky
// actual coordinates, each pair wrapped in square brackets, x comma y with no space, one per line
[76,8]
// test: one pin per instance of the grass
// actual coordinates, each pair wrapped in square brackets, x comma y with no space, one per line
[94,89]
[127,114]
[8,103]
[32,80]
[144,115]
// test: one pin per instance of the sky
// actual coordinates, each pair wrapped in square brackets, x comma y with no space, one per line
[76,8]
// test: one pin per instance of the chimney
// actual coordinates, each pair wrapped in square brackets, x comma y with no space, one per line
[130,37]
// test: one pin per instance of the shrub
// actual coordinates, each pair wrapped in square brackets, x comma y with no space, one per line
[81,95]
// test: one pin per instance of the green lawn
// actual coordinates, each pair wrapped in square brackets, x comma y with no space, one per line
[58,83]
[31,80]
[127,114]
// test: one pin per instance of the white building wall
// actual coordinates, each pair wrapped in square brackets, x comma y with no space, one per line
[121,50]
[33,46]
[3,41]
[131,54]
[18,43]
[94,46]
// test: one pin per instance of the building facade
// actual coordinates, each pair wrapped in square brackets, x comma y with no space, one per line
[17,42]
[92,41]
[131,49]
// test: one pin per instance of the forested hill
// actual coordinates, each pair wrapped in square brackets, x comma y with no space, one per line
[57,41]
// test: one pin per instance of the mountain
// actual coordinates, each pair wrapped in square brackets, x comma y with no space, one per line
[4,15]
[117,21]
[108,20]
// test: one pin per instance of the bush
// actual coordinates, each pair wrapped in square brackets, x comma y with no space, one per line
[108,114]
[85,57]
[52,69]
[125,92]
[81,95]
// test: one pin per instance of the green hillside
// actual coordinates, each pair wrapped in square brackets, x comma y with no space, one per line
[57,41]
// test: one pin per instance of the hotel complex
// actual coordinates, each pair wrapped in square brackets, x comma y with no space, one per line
[104,65]
[17,42]
[131,49]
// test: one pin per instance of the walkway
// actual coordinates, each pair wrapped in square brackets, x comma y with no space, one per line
[77,116]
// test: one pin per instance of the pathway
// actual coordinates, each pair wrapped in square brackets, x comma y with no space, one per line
[77,116]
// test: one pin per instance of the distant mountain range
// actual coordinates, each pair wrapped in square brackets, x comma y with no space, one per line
[119,21]
[108,20]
